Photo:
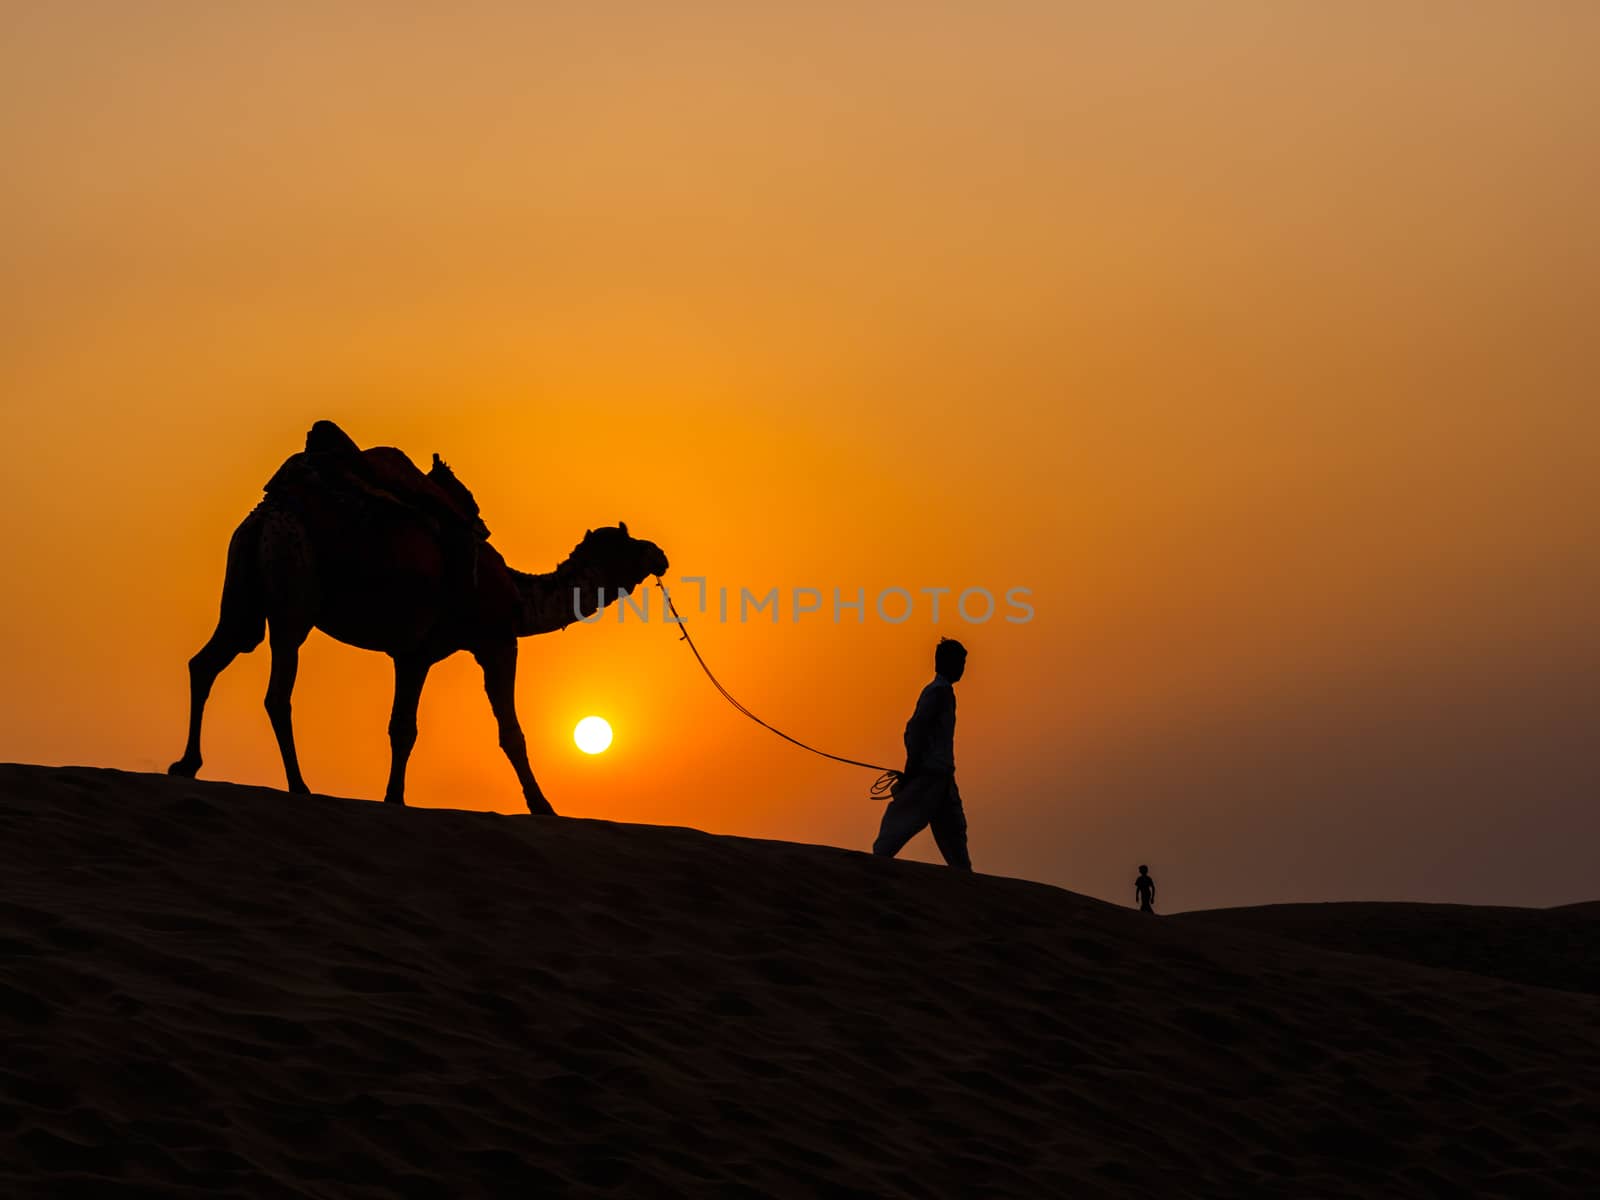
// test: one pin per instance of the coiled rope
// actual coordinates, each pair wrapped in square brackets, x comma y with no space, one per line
[881,788]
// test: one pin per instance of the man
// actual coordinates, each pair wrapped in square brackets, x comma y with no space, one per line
[925,794]
[1144,890]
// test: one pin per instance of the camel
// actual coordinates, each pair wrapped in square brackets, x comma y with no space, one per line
[363,546]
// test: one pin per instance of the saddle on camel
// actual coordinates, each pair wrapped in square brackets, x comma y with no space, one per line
[379,484]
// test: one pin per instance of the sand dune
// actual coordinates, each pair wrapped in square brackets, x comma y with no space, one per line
[216,990]
[1585,908]
[1544,947]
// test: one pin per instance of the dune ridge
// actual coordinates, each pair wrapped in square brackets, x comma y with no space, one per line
[208,989]
[1542,947]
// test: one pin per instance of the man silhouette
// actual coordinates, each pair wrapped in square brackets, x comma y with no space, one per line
[926,794]
[1144,888]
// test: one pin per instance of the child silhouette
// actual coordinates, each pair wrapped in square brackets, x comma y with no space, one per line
[1144,888]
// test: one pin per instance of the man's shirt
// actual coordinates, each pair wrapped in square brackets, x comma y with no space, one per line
[931,732]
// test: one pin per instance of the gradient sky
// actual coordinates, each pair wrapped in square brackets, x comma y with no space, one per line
[1257,339]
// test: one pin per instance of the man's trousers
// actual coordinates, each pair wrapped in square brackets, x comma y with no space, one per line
[931,800]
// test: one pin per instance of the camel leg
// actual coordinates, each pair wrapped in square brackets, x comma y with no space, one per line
[409,676]
[240,628]
[285,645]
[225,645]
[500,682]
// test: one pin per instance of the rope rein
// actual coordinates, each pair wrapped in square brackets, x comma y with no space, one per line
[881,787]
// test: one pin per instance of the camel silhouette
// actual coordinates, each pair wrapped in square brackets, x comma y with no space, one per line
[365,547]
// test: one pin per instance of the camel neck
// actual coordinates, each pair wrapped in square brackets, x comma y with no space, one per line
[556,599]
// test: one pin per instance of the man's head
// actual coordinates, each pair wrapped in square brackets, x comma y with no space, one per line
[1143,870]
[950,659]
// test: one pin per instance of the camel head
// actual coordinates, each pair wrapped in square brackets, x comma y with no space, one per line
[624,561]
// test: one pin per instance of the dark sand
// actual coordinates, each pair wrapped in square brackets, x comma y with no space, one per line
[215,990]
[1545,947]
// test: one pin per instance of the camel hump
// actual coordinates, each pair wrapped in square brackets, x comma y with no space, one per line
[383,475]
[327,438]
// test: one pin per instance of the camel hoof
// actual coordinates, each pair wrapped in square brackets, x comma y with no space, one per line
[400,800]
[184,769]
[539,806]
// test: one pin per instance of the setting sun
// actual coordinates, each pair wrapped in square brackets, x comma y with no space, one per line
[593,735]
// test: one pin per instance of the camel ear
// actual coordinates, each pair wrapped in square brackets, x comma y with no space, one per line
[623,525]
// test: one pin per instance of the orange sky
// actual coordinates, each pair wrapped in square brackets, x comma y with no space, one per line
[1255,339]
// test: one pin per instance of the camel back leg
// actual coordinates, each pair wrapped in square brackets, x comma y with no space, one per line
[285,644]
[289,581]
[240,628]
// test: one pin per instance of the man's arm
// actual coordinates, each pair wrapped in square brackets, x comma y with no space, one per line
[930,705]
